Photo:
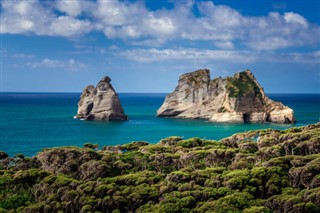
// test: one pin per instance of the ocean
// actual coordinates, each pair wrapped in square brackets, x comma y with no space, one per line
[30,122]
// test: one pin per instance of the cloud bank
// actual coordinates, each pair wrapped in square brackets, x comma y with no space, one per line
[234,56]
[71,64]
[136,24]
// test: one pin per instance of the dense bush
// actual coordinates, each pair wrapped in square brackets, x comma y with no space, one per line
[277,172]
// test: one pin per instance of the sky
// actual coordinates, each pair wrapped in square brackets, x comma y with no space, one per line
[144,46]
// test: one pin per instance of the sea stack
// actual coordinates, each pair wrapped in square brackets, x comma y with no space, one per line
[100,103]
[237,99]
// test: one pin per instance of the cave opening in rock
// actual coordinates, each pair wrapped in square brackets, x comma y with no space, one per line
[246,117]
[268,119]
[89,108]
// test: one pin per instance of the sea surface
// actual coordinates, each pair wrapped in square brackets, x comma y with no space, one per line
[30,122]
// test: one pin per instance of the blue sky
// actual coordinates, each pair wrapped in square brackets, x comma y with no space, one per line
[64,45]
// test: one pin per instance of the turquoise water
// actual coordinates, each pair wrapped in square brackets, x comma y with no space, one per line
[32,121]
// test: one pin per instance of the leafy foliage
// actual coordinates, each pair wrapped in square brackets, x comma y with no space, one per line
[242,85]
[277,172]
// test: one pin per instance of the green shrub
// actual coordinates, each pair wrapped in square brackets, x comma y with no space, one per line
[192,142]
[91,146]
[242,86]
[257,209]
[15,199]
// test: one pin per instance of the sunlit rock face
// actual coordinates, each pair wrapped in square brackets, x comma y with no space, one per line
[237,99]
[100,103]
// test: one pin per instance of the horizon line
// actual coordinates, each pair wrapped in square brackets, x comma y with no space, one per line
[307,93]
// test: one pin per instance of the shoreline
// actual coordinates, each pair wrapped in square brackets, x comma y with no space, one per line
[254,171]
[287,126]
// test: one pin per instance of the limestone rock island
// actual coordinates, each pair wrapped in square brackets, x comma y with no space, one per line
[237,99]
[100,103]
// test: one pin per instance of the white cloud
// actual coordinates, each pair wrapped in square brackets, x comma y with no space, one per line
[22,16]
[132,20]
[220,16]
[231,56]
[35,17]
[87,49]
[311,57]
[68,26]
[137,25]
[70,7]
[295,18]
[70,65]
[150,55]
[5,53]
[276,31]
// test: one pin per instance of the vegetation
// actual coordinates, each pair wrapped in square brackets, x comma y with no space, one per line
[222,109]
[256,171]
[242,85]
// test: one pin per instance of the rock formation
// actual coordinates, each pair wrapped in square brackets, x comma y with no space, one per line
[100,103]
[237,99]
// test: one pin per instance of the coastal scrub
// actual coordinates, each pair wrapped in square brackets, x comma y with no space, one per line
[256,171]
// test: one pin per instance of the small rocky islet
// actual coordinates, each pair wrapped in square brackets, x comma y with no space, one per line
[237,99]
[251,172]
[100,103]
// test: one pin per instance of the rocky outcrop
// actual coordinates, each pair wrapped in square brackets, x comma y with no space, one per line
[237,99]
[100,103]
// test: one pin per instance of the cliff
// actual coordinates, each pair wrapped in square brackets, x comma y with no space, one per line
[100,103]
[256,171]
[237,99]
